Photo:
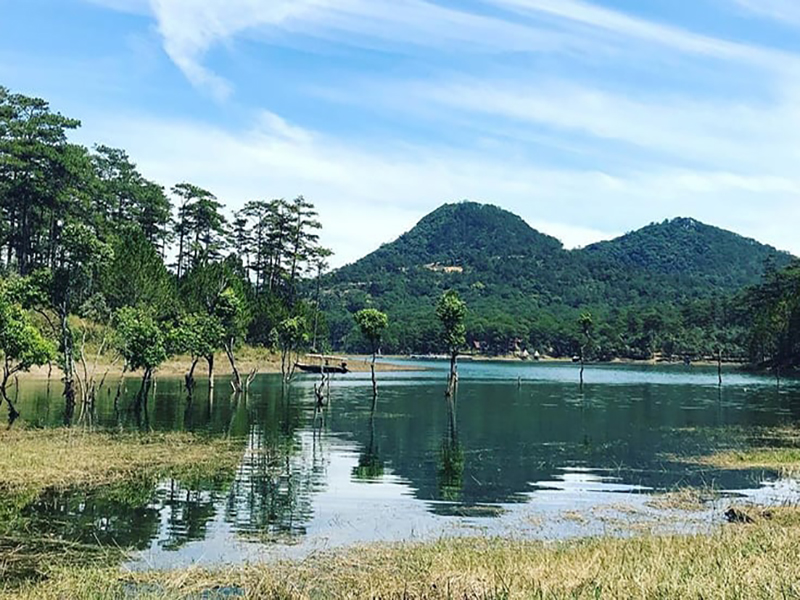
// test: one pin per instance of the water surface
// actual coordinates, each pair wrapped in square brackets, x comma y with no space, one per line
[523,451]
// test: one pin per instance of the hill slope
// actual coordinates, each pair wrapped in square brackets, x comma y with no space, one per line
[524,288]
[689,248]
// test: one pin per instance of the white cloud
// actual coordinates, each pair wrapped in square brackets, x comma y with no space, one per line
[786,11]
[190,29]
[646,31]
[369,194]
[759,136]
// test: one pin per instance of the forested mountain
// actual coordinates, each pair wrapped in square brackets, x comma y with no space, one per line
[661,288]
[702,255]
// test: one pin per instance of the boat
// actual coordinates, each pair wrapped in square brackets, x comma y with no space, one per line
[342,369]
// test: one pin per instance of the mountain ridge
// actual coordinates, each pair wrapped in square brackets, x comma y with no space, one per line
[511,274]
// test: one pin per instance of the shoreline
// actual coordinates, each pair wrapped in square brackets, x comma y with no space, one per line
[265,363]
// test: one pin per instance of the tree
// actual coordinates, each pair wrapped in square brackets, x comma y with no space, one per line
[586,323]
[137,276]
[67,286]
[452,311]
[197,334]
[38,169]
[199,227]
[289,337]
[219,290]
[142,344]
[372,324]
[22,344]
[232,312]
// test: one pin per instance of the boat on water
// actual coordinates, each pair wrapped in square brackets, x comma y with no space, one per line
[320,363]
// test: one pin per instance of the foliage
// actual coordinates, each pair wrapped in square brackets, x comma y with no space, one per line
[140,340]
[774,311]
[22,344]
[289,337]
[669,289]
[372,323]
[452,311]
[196,334]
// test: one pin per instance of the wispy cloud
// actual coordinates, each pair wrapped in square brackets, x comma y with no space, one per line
[647,32]
[370,193]
[785,11]
[585,119]
[190,29]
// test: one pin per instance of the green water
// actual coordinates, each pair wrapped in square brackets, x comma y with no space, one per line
[522,443]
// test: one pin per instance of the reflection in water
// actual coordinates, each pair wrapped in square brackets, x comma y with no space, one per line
[370,465]
[401,468]
[451,459]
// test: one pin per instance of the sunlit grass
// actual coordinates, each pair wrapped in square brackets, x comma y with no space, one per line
[124,467]
[67,458]
[749,562]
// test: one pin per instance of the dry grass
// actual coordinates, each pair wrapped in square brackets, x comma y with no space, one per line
[685,499]
[35,460]
[747,562]
[784,460]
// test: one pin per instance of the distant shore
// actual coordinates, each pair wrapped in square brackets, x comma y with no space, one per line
[266,362]
[262,361]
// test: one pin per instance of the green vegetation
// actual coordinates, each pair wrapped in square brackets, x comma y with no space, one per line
[737,561]
[22,345]
[85,238]
[46,466]
[672,290]
[372,323]
[451,311]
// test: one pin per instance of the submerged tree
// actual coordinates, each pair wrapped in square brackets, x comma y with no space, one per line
[289,337]
[586,324]
[372,324]
[142,344]
[22,344]
[231,311]
[199,335]
[452,311]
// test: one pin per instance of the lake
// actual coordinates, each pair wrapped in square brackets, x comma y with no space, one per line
[523,451]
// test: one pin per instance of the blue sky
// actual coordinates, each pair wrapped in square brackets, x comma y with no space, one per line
[588,119]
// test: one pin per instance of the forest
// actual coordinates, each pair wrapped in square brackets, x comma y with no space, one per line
[95,259]
[95,256]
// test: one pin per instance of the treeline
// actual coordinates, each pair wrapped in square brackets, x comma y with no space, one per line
[672,291]
[86,238]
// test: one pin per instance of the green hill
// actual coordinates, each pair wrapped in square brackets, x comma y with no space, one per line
[524,289]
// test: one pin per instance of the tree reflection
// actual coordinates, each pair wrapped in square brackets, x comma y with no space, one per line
[370,466]
[271,495]
[450,475]
[190,511]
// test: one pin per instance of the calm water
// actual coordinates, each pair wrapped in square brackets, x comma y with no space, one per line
[523,452]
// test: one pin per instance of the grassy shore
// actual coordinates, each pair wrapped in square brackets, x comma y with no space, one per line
[34,463]
[247,359]
[757,560]
[776,449]
[35,460]
[748,562]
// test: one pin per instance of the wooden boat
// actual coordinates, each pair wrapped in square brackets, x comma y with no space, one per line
[326,364]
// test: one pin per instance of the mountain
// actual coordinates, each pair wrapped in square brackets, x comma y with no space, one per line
[708,255]
[524,288]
